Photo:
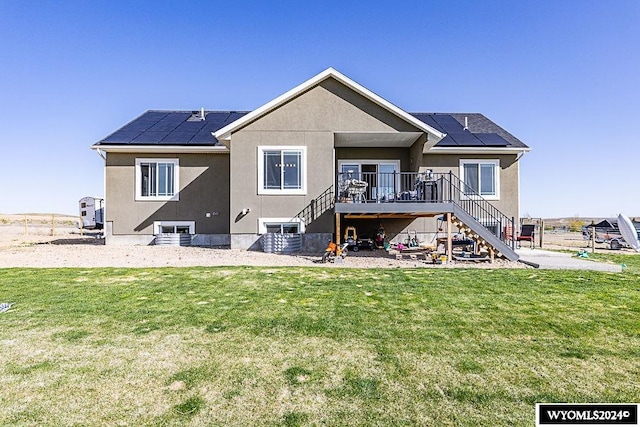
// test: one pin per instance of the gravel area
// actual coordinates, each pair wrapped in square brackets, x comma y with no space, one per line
[37,248]
[69,249]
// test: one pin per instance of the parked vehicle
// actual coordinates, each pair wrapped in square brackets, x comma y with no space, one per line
[607,231]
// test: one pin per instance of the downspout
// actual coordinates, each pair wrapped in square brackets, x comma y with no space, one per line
[104,193]
[518,156]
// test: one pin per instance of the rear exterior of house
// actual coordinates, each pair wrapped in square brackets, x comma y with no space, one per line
[294,164]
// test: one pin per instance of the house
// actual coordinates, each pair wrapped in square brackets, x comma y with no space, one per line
[325,155]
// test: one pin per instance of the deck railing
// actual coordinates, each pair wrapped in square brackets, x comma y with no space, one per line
[414,187]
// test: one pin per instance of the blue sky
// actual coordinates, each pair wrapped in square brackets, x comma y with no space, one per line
[563,76]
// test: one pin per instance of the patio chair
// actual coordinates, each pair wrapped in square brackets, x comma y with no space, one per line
[526,234]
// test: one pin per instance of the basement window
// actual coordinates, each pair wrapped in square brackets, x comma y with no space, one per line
[186,227]
[280,225]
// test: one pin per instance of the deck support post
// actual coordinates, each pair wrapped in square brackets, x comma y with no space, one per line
[449,238]
[338,229]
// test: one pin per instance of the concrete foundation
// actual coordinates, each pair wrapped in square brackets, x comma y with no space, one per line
[251,242]
[311,242]
[207,240]
[213,240]
[315,242]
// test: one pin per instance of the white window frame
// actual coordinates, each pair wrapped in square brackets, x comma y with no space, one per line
[496,177]
[157,226]
[176,180]
[378,162]
[303,172]
[262,223]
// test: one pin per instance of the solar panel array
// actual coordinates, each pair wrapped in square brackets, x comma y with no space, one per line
[457,136]
[186,128]
[173,128]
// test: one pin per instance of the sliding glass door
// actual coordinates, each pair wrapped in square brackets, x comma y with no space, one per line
[380,176]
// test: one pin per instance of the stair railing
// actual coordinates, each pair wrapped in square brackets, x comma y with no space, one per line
[424,187]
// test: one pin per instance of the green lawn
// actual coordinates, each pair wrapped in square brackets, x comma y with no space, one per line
[313,346]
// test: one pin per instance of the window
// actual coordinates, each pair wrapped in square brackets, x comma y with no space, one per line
[157,179]
[481,176]
[186,227]
[282,170]
[280,225]
[380,175]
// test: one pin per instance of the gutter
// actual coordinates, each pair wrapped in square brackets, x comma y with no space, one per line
[100,153]
[483,150]
[156,148]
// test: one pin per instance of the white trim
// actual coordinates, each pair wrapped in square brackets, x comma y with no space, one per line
[360,162]
[303,172]
[224,134]
[176,180]
[497,172]
[160,149]
[158,224]
[262,223]
[476,150]
[377,162]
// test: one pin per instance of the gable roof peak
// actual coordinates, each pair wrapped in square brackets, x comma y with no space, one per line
[224,134]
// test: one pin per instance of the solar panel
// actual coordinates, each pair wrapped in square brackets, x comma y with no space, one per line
[203,137]
[447,141]
[164,127]
[150,137]
[122,136]
[177,116]
[465,139]
[153,115]
[138,125]
[178,137]
[192,127]
[235,115]
[427,119]
[448,123]
[492,139]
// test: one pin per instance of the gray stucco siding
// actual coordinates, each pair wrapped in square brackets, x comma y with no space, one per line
[509,179]
[331,107]
[203,187]
[244,170]
[309,120]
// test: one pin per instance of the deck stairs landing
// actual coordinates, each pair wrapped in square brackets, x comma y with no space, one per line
[483,237]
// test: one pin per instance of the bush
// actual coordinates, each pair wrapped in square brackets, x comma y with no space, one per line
[576,224]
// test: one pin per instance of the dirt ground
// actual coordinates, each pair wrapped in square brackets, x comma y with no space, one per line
[46,241]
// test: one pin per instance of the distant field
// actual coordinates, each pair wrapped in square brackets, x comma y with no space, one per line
[38,219]
[268,346]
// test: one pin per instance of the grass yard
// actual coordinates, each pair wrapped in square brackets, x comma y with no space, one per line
[313,346]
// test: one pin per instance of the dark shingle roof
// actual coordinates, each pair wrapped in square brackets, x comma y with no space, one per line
[172,128]
[186,128]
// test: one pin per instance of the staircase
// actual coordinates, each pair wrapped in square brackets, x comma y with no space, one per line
[431,194]
[436,193]
[482,236]
[479,220]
